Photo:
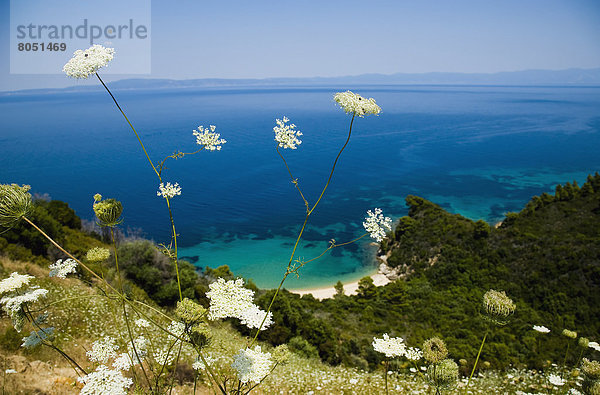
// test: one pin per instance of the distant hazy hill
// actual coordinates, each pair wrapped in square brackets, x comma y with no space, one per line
[527,77]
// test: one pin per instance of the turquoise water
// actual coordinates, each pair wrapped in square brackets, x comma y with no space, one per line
[477,151]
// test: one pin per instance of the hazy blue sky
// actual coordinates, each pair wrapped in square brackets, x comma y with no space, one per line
[259,39]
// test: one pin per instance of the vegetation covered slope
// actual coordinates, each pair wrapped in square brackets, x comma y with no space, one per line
[546,258]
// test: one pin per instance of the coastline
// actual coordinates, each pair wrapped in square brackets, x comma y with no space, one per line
[350,288]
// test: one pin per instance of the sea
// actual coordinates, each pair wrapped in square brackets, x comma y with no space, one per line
[478,151]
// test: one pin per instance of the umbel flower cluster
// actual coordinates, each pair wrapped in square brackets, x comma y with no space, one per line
[377,225]
[87,62]
[15,203]
[252,364]
[168,191]
[497,307]
[209,139]
[286,135]
[390,347]
[355,104]
[15,296]
[229,299]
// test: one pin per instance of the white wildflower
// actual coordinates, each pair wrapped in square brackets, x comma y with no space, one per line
[356,104]
[98,254]
[168,191]
[123,362]
[85,63]
[228,298]
[594,345]
[105,381]
[199,364]
[10,371]
[61,268]
[210,140]
[163,357]
[178,329]
[253,316]
[556,380]
[141,346]
[142,323]
[376,224]
[286,135]
[413,353]
[252,365]
[12,304]
[541,329]
[103,350]
[390,347]
[353,381]
[14,282]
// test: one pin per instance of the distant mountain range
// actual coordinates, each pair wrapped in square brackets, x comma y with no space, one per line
[526,77]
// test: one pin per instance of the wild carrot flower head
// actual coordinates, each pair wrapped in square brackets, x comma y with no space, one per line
[228,298]
[14,303]
[108,212]
[583,342]
[281,354]
[14,282]
[390,347]
[253,317]
[252,365]
[591,369]
[286,135]
[413,353]
[594,345]
[86,62]
[61,268]
[209,139]
[541,329]
[15,203]
[376,224]
[189,312]
[103,350]
[168,191]
[434,350]
[569,334]
[98,254]
[443,375]
[105,381]
[356,104]
[497,307]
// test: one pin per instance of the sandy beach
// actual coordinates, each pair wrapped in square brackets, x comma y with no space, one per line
[349,288]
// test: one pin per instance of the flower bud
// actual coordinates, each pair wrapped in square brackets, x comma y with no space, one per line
[583,342]
[281,354]
[434,350]
[591,369]
[497,307]
[15,203]
[200,335]
[98,254]
[189,312]
[569,334]
[108,211]
[443,375]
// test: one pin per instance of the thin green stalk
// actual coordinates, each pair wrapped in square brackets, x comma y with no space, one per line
[132,128]
[385,376]
[308,213]
[476,360]
[564,365]
[129,332]
[175,245]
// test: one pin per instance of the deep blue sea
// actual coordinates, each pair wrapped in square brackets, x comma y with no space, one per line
[477,151]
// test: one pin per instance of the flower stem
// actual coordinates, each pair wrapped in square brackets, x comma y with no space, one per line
[476,360]
[385,374]
[112,236]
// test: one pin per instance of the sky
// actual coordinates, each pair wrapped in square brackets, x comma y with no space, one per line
[262,39]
